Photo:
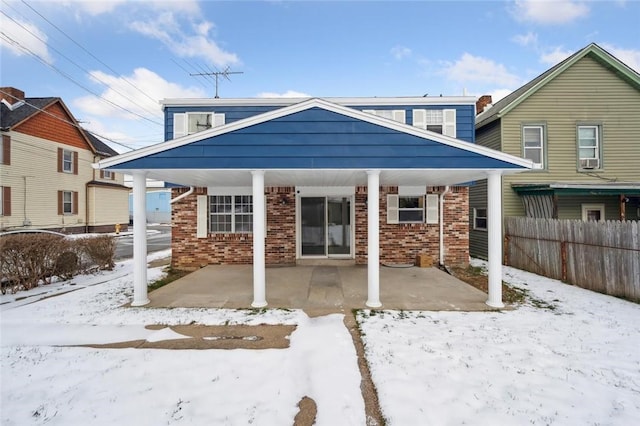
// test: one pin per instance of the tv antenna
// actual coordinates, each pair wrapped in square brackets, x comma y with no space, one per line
[226,73]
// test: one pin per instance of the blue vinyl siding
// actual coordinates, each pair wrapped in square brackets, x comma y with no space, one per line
[465,115]
[315,139]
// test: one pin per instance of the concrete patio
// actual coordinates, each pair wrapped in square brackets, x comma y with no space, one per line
[321,288]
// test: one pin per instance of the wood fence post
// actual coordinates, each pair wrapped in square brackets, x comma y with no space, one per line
[506,250]
[563,256]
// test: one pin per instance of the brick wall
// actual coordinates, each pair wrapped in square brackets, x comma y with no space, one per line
[399,243]
[189,252]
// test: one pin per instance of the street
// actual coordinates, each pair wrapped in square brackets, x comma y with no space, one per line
[158,239]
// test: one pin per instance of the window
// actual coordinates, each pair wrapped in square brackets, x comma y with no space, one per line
[589,147]
[480,219]
[533,144]
[107,174]
[5,201]
[5,150]
[67,161]
[436,120]
[67,202]
[392,114]
[231,213]
[593,212]
[194,122]
[405,208]
[411,209]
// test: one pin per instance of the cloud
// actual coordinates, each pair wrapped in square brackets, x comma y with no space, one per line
[630,57]
[144,101]
[528,39]
[555,56]
[95,8]
[20,37]
[167,29]
[400,52]
[287,94]
[471,68]
[549,12]
[498,94]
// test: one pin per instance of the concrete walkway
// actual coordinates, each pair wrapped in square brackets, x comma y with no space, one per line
[321,289]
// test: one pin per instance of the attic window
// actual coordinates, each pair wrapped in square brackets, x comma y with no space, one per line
[194,122]
[199,122]
[441,121]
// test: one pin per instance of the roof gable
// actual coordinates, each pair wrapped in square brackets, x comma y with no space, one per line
[519,95]
[314,134]
[11,117]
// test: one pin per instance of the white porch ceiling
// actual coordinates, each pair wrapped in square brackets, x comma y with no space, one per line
[315,177]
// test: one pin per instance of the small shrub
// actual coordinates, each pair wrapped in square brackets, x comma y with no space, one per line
[101,251]
[28,259]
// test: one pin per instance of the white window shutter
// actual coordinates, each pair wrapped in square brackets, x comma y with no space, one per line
[399,115]
[449,122]
[392,208]
[218,120]
[179,125]
[420,118]
[201,227]
[432,208]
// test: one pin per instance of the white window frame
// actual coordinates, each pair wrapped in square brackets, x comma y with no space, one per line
[430,213]
[592,162]
[586,208]
[398,115]
[234,213]
[181,122]
[477,216]
[107,174]
[65,161]
[432,119]
[421,209]
[65,202]
[541,148]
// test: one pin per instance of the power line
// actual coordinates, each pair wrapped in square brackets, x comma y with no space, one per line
[87,51]
[78,66]
[65,121]
[70,78]
[187,71]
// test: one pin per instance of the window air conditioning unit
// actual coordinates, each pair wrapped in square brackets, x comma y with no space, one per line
[589,163]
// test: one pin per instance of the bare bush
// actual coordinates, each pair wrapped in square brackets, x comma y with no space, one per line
[28,259]
[101,251]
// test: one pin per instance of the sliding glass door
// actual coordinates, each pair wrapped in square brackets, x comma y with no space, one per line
[326,226]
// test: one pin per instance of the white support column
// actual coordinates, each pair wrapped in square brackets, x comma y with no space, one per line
[139,239]
[259,234]
[373,238]
[494,233]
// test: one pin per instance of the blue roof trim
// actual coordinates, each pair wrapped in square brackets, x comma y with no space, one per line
[315,138]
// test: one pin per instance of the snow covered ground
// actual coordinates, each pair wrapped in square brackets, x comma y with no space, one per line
[576,362]
[42,383]
[571,358]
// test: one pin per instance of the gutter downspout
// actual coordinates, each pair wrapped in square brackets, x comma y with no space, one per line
[181,196]
[446,191]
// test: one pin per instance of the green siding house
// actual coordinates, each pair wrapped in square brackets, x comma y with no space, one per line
[579,122]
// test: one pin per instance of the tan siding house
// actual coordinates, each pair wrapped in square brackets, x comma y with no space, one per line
[46,176]
[580,121]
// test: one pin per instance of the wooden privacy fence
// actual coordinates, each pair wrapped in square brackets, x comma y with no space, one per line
[598,256]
